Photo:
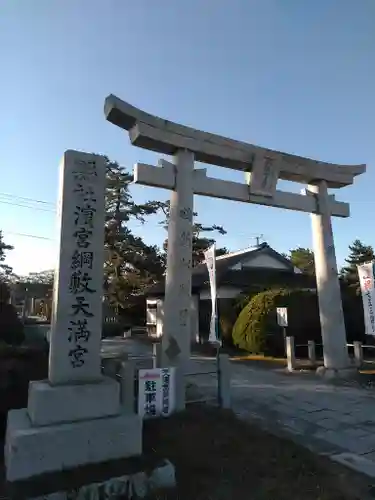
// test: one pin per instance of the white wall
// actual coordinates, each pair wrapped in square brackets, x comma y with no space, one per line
[156,316]
[151,312]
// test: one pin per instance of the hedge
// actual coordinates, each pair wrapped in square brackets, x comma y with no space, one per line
[256,329]
[11,327]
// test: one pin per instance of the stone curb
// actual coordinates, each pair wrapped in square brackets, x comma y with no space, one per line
[356,462]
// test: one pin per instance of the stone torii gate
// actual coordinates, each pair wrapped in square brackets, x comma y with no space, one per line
[263,168]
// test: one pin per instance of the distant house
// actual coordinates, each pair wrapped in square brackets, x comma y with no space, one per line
[31,298]
[244,272]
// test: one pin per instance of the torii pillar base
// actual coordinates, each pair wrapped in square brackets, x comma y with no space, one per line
[333,374]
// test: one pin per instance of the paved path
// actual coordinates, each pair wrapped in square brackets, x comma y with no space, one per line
[335,420]
[116,346]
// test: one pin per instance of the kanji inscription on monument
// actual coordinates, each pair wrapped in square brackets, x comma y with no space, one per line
[76,329]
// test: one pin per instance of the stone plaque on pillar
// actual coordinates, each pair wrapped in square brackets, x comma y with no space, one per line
[78,287]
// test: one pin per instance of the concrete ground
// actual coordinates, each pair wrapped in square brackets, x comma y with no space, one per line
[337,420]
[334,420]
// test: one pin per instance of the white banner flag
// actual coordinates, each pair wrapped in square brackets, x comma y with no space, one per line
[209,256]
[366,281]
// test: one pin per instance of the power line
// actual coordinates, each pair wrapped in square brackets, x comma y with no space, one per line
[132,225]
[27,199]
[27,206]
[29,235]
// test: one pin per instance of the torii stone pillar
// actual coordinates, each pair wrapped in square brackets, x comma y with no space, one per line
[335,351]
[177,301]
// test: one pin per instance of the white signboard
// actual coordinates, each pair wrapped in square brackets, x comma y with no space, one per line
[366,281]
[156,392]
[282,316]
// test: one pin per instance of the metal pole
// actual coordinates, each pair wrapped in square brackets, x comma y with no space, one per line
[284,334]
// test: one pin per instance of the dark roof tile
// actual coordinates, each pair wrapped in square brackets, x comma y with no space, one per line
[241,278]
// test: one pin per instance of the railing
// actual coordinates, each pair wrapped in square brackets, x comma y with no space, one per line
[216,398]
[357,347]
[125,370]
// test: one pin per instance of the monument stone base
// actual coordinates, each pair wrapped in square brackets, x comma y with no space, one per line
[55,404]
[31,451]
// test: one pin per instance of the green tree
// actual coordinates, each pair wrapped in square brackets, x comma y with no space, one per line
[130,263]
[5,270]
[42,277]
[303,258]
[11,329]
[359,254]
[200,242]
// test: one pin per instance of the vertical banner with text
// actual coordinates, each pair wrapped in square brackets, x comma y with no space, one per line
[366,281]
[210,258]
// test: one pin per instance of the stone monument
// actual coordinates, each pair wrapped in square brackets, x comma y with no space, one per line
[263,167]
[75,417]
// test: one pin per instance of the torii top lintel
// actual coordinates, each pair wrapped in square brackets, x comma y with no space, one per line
[166,137]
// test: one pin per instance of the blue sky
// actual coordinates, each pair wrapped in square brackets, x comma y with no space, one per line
[292,75]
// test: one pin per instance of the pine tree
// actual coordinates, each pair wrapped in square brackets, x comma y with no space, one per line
[359,254]
[303,259]
[130,264]
[5,270]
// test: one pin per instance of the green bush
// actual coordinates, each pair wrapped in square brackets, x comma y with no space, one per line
[11,327]
[256,328]
[354,318]
[113,330]
[18,365]
[4,292]
[250,328]
[228,313]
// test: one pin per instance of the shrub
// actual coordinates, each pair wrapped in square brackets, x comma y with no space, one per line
[4,291]
[18,365]
[256,328]
[354,318]
[249,329]
[226,327]
[227,318]
[112,330]
[11,328]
